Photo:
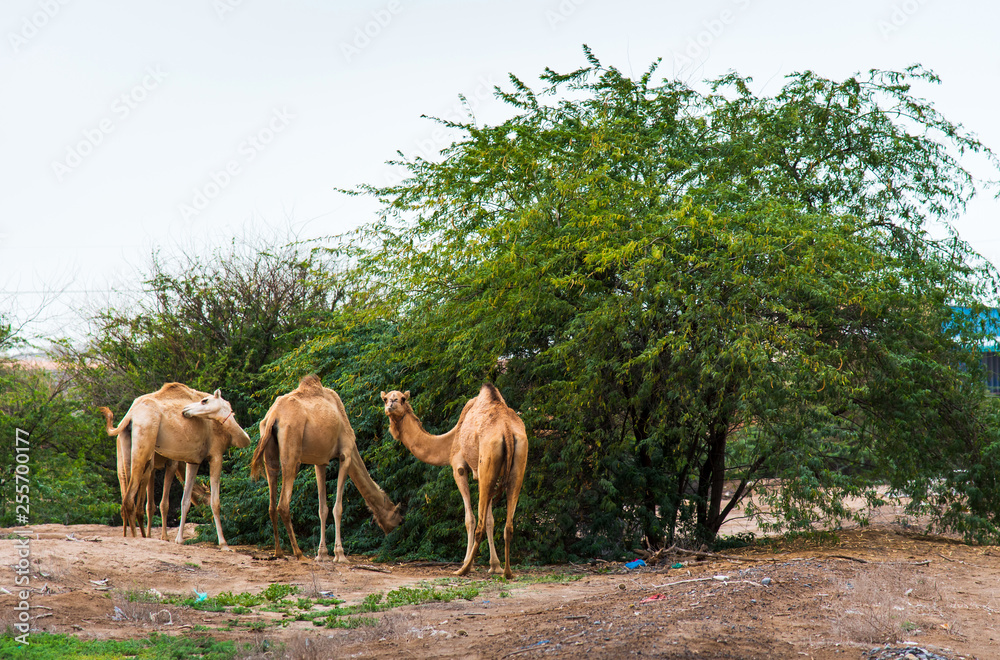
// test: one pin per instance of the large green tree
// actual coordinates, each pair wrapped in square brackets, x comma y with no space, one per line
[686,292]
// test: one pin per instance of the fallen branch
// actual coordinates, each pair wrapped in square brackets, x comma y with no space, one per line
[705,579]
[527,648]
[369,567]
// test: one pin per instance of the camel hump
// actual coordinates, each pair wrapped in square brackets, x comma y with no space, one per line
[491,393]
[179,391]
[311,384]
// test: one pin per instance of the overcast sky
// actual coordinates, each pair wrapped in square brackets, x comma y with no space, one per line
[127,126]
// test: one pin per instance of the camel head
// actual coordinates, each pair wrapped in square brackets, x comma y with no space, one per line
[216,408]
[396,403]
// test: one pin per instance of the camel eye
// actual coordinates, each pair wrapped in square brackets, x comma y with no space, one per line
[204,401]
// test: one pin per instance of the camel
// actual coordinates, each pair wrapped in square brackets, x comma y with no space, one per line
[309,425]
[124,452]
[181,424]
[490,440]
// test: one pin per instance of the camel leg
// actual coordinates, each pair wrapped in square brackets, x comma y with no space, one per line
[190,474]
[490,466]
[145,503]
[272,467]
[338,509]
[495,567]
[324,510]
[124,441]
[215,474]
[168,480]
[143,445]
[462,480]
[508,529]
[288,472]
[514,481]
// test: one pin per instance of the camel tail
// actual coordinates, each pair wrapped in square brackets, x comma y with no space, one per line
[267,436]
[506,459]
[386,514]
[109,421]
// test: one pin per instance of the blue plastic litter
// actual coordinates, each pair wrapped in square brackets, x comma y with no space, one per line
[200,595]
[635,564]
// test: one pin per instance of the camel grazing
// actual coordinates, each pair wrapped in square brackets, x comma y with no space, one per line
[309,425]
[490,440]
[181,424]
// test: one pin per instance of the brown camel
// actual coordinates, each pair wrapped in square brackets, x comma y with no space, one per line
[490,440]
[184,425]
[309,425]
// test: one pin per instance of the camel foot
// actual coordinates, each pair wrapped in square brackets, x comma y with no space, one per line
[323,555]
[226,548]
[496,570]
[462,571]
[508,574]
[340,558]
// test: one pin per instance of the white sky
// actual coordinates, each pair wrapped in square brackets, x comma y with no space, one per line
[115,114]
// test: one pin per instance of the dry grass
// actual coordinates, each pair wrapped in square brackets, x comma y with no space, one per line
[886,603]
[328,644]
[136,604]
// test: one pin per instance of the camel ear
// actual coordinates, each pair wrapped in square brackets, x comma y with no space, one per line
[384,396]
[406,395]
[218,394]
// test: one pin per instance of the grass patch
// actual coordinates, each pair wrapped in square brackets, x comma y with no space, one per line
[241,601]
[45,646]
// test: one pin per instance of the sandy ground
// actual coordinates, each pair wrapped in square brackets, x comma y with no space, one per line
[811,599]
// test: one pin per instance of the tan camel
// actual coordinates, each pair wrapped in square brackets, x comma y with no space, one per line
[309,425]
[184,425]
[124,456]
[490,440]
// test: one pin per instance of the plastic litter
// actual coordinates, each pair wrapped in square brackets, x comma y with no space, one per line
[652,598]
[200,595]
[635,564]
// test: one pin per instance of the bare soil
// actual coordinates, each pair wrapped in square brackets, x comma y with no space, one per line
[821,597]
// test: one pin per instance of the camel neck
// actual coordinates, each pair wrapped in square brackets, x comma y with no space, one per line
[430,449]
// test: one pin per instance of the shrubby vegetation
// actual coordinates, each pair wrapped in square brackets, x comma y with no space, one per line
[70,480]
[685,293]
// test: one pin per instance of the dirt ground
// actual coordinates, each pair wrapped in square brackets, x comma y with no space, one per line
[815,598]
